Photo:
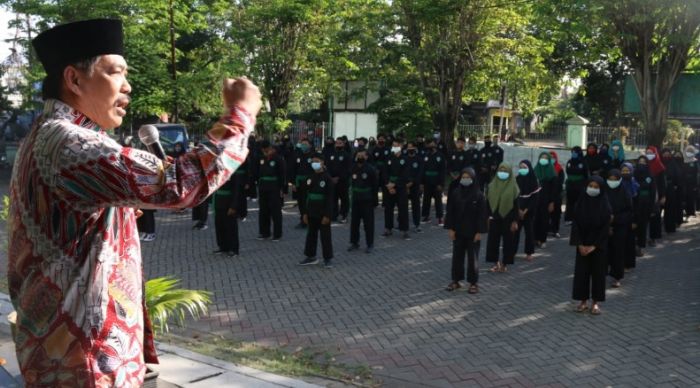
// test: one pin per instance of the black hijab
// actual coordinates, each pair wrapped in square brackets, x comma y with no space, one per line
[528,183]
[673,169]
[618,197]
[471,191]
[593,212]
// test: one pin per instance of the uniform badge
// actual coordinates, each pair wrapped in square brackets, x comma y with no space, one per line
[354,176]
[476,156]
[364,175]
[497,151]
[332,157]
[426,159]
[376,154]
[489,154]
[438,158]
[322,184]
[454,157]
[402,162]
[308,160]
[340,158]
[308,182]
[272,163]
[388,163]
[262,161]
[461,157]
[415,164]
[580,165]
[386,152]
[605,161]
[648,179]
[298,160]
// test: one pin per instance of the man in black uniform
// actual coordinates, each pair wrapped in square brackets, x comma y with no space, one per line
[395,183]
[244,184]
[420,145]
[439,143]
[433,179]
[378,157]
[457,162]
[339,167]
[487,163]
[226,217]
[301,171]
[364,182]
[272,186]
[415,168]
[319,212]
[497,152]
[473,154]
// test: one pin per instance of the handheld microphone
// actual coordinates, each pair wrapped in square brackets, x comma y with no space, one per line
[149,136]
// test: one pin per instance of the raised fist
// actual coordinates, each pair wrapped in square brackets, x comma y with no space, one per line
[243,93]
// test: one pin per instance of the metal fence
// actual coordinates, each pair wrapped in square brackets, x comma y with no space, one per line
[633,138]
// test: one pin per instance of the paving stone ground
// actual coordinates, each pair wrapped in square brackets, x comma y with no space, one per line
[389,310]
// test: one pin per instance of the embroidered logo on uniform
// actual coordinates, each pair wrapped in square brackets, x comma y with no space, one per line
[648,179]
[308,160]
[389,163]
[454,157]
[605,161]
[262,161]
[438,158]
[364,175]
[376,154]
[322,184]
[272,163]
[308,181]
[340,158]
[461,158]
[476,156]
[426,159]
[402,162]
[489,154]
[497,151]
[354,176]
[332,157]
[298,160]
[415,164]
[580,165]
[386,152]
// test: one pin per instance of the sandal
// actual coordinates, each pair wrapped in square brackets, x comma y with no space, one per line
[528,258]
[615,284]
[496,268]
[453,286]
[582,308]
[473,289]
[595,310]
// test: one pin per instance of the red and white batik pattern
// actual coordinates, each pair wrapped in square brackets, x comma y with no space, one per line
[74,271]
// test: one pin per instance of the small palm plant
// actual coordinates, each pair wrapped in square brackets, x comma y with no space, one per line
[165,301]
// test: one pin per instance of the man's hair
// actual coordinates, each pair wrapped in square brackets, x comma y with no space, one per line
[53,83]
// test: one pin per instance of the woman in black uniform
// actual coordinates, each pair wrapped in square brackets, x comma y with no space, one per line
[576,177]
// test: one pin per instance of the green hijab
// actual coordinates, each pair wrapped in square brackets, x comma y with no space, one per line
[502,194]
[545,173]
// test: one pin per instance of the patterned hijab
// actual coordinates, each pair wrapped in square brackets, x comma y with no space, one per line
[502,193]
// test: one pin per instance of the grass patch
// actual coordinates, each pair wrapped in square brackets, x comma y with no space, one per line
[302,362]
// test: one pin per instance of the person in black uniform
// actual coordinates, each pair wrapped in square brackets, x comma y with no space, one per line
[328,147]
[549,192]
[396,183]
[457,162]
[301,172]
[498,152]
[621,225]
[644,203]
[272,186]
[439,143]
[473,156]
[529,188]
[487,163]
[576,177]
[363,185]
[589,234]
[606,161]
[467,220]
[420,145]
[244,183]
[433,179]
[339,165]
[226,217]
[415,163]
[673,208]
[319,213]
[593,160]
[378,156]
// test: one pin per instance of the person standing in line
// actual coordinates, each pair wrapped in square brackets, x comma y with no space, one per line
[576,177]
[658,174]
[498,153]
[502,197]
[378,156]
[645,203]
[415,163]
[527,204]
[673,194]
[363,185]
[226,217]
[457,162]
[319,213]
[466,221]
[547,178]
[146,225]
[244,183]
[617,154]
[555,216]
[200,215]
[432,181]
[272,187]
[593,161]
[301,171]
[620,225]
[396,183]
[605,159]
[487,163]
[339,167]
[590,231]
[691,179]
[631,187]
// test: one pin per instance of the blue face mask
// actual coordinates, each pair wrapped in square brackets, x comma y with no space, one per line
[502,175]
[316,166]
[304,147]
[524,171]
[544,162]
[466,182]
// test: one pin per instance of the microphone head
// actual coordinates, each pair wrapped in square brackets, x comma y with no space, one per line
[148,134]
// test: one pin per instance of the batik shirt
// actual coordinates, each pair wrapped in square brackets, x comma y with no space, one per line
[75,273]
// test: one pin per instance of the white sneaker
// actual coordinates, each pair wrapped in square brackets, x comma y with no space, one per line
[149,237]
[141,236]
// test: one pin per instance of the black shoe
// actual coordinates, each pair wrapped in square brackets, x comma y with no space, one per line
[309,261]
[353,247]
[368,250]
[327,264]
[652,243]
[425,220]
[343,220]
[386,233]
[232,254]
[417,229]
[300,225]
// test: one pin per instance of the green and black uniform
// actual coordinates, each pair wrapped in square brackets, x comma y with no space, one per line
[363,186]
[272,185]
[396,172]
[378,158]
[319,204]
[226,225]
[433,179]
[301,172]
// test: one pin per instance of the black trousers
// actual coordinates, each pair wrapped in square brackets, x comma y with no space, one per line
[341,195]
[573,193]
[270,210]
[399,200]
[691,194]
[589,276]
[655,225]
[147,222]
[616,251]
[525,226]
[414,198]
[555,217]
[499,230]
[314,229]
[673,211]
[362,211]
[226,231]
[200,213]
[242,205]
[301,199]
[541,221]
[630,249]
[461,247]
[432,193]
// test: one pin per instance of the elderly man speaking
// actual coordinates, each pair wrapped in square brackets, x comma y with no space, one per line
[74,257]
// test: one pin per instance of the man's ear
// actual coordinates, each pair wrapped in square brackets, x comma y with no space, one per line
[71,80]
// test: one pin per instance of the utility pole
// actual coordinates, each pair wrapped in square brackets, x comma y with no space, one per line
[504,91]
[173,63]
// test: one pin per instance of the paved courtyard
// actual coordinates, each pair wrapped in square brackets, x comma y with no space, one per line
[389,310]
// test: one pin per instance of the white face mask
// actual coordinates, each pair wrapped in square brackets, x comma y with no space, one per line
[616,148]
[466,182]
[395,150]
[613,184]
[592,192]
[651,156]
